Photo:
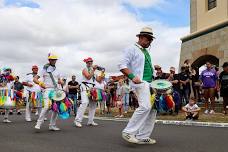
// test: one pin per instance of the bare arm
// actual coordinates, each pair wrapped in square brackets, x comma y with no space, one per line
[87,74]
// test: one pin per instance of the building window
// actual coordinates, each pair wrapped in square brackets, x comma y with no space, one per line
[212,4]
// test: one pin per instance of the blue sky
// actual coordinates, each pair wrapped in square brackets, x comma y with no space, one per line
[21,3]
[174,13]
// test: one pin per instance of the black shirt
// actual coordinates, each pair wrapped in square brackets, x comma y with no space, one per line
[162,76]
[183,77]
[223,79]
[176,86]
[73,91]
[18,86]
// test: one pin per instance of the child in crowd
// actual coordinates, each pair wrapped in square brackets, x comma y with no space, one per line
[191,110]
[120,95]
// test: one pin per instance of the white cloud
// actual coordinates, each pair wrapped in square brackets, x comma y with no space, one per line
[76,29]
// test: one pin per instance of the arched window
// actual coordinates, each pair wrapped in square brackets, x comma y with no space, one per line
[212,4]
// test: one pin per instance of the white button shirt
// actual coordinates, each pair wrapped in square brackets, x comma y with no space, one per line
[133,59]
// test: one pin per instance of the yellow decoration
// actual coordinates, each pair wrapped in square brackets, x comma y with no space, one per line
[152,99]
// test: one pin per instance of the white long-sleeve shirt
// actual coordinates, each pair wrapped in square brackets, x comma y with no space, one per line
[133,59]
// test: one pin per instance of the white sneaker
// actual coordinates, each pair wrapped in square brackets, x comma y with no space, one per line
[78,124]
[37,127]
[7,121]
[147,141]
[37,113]
[206,112]
[121,116]
[130,138]
[28,120]
[45,119]
[92,124]
[212,112]
[54,128]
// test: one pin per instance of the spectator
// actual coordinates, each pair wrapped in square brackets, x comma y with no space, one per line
[184,86]
[191,110]
[175,80]
[187,65]
[223,85]
[19,88]
[73,87]
[209,79]
[195,83]
[120,95]
[108,100]
[126,88]
[159,73]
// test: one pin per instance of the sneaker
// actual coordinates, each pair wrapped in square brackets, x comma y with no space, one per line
[37,113]
[125,112]
[129,138]
[6,121]
[147,141]
[28,120]
[11,113]
[37,127]
[78,124]
[212,112]
[117,116]
[19,113]
[206,112]
[121,116]
[92,124]
[45,119]
[54,128]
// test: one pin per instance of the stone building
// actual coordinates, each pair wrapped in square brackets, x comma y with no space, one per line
[208,38]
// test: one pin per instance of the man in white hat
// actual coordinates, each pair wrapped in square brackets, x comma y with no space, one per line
[48,74]
[137,66]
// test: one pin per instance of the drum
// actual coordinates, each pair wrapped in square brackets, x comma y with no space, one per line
[60,103]
[97,94]
[36,99]
[161,87]
[18,98]
[162,98]
[7,98]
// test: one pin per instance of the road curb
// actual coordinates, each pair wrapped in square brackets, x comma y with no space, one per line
[172,122]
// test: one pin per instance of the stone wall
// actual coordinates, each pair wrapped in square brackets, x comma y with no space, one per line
[193,16]
[214,43]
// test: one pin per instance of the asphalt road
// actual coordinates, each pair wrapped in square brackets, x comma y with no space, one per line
[20,136]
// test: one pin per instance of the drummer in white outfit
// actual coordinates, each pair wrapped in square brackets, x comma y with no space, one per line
[88,79]
[30,87]
[48,86]
[7,83]
[136,64]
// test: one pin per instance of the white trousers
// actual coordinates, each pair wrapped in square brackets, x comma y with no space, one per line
[142,121]
[82,108]
[45,110]
[28,108]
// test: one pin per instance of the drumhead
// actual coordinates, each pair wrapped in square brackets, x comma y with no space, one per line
[161,84]
[59,95]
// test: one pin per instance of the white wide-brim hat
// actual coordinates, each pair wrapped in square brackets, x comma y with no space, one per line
[146,31]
